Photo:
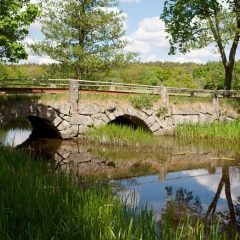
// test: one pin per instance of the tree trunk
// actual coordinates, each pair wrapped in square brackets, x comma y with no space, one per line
[229,196]
[228,79]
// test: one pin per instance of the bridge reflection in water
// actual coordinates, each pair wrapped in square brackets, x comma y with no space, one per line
[201,180]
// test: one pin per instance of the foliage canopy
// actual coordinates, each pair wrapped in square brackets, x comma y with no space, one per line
[198,23]
[15,17]
[85,36]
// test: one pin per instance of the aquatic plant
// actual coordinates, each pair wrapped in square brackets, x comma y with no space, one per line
[218,131]
[121,135]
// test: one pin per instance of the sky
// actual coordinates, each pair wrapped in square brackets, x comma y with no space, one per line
[146,34]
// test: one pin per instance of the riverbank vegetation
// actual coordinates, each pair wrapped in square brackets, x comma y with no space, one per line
[191,75]
[40,204]
[37,203]
[217,131]
[122,136]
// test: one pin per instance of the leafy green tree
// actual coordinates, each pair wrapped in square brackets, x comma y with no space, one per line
[85,36]
[197,23]
[15,17]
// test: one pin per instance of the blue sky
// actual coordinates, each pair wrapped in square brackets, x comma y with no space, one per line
[146,34]
[138,10]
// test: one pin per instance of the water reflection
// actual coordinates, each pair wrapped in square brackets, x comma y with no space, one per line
[193,192]
[201,179]
[14,137]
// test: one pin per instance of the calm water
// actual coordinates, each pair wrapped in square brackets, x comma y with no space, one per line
[191,189]
[200,178]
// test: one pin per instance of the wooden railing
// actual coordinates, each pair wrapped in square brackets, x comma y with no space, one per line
[113,87]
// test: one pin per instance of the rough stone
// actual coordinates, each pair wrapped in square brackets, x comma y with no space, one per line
[142,116]
[64,108]
[33,109]
[73,95]
[155,127]
[64,125]
[150,121]
[185,110]
[74,130]
[88,108]
[169,131]
[68,126]
[56,122]
[148,112]
[110,115]
[70,132]
[67,118]
[99,122]
[100,116]
[229,119]
[111,109]
[205,118]
[180,119]
[81,120]
[82,129]
[118,112]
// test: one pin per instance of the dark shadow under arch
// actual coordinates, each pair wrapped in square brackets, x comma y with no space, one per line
[42,128]
[131,121]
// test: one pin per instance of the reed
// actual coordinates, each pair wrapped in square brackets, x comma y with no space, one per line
[217,131]
[122,136]
[40,204]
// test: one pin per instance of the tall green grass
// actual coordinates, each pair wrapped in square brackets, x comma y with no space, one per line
[121,135]
[219,131]
[39,204]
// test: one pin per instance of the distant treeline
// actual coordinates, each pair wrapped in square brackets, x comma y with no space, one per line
[190,75]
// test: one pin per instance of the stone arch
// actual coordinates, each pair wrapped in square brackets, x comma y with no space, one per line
[145,119]
[42,128]
[132,121]
[40,116]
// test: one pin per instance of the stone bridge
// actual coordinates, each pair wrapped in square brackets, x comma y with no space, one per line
[70,119]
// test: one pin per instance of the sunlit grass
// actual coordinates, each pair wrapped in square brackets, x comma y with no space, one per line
[219,131]
[40,204]
[121,135]
[37,203]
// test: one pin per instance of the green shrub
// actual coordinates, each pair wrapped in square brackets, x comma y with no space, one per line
[162,111]
[143,101]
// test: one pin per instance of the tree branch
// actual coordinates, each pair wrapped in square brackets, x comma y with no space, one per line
[216,34]
[237,35]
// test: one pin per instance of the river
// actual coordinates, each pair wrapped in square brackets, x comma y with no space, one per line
[200,178]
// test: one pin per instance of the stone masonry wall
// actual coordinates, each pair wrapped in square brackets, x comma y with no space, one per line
[70,124]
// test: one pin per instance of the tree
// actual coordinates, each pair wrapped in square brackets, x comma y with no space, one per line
[15,17]
[198,23]
[83,35]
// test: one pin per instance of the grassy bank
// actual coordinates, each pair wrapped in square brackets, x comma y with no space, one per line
[121,136]
[126,136]
[225,131]
[40,204]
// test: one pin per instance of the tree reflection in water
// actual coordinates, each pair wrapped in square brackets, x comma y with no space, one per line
[186,203]
[232,217]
